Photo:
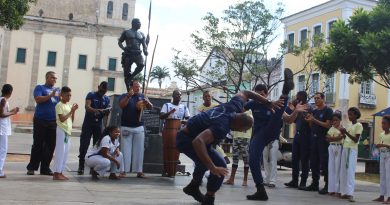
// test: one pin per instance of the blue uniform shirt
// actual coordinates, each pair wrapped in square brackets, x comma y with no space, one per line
[321,115]
[130,114]
[97,102]
[261,114]
[217,119]
[45,110]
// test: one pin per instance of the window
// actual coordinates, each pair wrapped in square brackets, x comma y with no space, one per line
[303,37]
[301,83]
[111,84]
[51,58]
[330,25]
[110,7]
[82,62]
[112,64]
[317,36]
[366,88]
[125,11]
[329,83]
[21,55]
[315,83]
[290,39]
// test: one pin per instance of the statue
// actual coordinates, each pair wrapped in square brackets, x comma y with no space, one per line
[132,52]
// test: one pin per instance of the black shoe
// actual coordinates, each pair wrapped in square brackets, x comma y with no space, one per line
[47,172]
[312,187]
[30,172]
[80,171]
[260,195]
[288,81]
[192,189]
[302,185]
[208,200]
[292,184]
[324,190]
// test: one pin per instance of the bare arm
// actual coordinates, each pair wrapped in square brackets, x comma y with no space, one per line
[164,115]
[325,124]
[6,114]
[42,99]
[291,118]
[334,139]
[353,138]
[199,144]
[63,117]
[88,107]
[106,154]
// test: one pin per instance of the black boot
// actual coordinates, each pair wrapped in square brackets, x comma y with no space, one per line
[260,195]
[292,184]
[302,185]
[312,187]
[288,81]
[324,190]
[192,189]
[208,200]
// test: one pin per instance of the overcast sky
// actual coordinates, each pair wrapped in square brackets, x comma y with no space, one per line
[175,20]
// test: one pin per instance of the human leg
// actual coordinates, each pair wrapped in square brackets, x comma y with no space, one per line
[3,153]
[48,147]
[126,147]
[39,131]
[85,139]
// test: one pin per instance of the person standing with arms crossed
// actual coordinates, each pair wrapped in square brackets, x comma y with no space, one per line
[44,126]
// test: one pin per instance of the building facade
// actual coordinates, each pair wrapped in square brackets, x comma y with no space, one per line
[76,39]
[367,96]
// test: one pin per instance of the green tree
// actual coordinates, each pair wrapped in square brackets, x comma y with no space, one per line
[139,77]
[159,73]
[360,47]
[239,41]
[12,12]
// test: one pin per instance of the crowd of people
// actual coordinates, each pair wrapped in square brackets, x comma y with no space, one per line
[321,144]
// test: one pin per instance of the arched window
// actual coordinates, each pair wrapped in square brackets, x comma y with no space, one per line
[110,7]
[125,11]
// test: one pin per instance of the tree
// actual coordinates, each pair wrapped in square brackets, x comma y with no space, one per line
[360,47]
[12,12]
[139,77]
[159,73]
[239,42]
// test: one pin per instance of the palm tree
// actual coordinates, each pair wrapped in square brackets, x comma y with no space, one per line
[159,73]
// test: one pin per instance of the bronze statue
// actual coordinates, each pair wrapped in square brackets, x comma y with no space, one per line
[132,52]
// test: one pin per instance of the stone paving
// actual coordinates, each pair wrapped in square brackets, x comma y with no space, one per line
[18,188]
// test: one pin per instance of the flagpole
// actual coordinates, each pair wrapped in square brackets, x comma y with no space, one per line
[147,43]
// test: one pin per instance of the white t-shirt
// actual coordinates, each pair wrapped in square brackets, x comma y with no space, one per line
[180,113]
[5,123]
[107,143]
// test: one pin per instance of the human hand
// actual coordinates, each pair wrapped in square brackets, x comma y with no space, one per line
[74,107]
[309,117]
[291,106]
[219,171]
[15,110]
[117,152]
[301,107]
[54,92]
[172,111]
[131,92]
[117,163]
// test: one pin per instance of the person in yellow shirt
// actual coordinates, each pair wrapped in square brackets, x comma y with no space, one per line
[240,147]
[64,119]
[349,155]
[384,147]
[335,140]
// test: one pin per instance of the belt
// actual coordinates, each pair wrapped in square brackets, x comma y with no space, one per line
[339,144]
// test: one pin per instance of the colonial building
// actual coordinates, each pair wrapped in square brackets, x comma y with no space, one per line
[76,39]
[367,96]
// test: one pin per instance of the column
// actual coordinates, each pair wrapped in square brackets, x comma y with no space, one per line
[35,68]
[68,51]
[5,57]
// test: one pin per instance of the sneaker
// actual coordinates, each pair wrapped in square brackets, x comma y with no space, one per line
[260,195]
[311,187]
[30,172]
[302,185]
[324,190]
[292,184]
[288,81]
[193,190]
[208,200]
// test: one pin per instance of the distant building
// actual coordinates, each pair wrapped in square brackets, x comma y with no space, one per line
[76,39]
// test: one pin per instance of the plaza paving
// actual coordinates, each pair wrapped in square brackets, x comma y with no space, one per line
[18,188]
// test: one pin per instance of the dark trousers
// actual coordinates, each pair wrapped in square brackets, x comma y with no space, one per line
[262,138]
[44,142]
[319,158]
[300,156]
[88,130]
[184,145]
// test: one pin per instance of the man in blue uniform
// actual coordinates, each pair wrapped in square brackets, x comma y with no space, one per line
[210,127]
[97,105]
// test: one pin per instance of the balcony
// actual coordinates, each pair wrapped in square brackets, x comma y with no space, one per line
[367,100]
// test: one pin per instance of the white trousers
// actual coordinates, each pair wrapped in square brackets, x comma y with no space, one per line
[270,155]
[3,152]
[61,150]
[347,171]
[101,164]
[385,174]
[132,147]
[334,163]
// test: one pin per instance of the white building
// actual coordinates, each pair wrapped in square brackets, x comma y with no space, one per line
[76,39]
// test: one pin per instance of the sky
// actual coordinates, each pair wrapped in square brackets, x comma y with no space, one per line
[174,20]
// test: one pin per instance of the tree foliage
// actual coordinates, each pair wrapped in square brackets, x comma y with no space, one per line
[159,73]
[12,12]
[360,47]
[238,41]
